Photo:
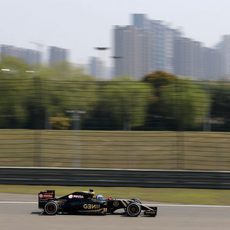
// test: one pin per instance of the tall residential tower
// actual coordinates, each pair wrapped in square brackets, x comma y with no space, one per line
[145,46]
[29,56]
[57,55]
[151,45]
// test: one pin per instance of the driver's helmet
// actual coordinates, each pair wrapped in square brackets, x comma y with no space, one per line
[99,197]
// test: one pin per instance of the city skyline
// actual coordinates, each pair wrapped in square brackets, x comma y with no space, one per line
[148,45]
[144,46]
[79,25]
[52,56]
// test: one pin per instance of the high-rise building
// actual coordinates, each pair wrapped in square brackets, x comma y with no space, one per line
[159,45]
[188,58]
[29,56]
[140,21]
[223,48]
[151,45]
[212,64]
[57,55]
[97,68]
[163,46]
[143,47]
[131,51]
[192,59]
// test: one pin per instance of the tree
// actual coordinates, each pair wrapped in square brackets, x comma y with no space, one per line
[71,94]
[186,102]
[58,90]
[220,109]
[156,119]
[127,100]
[13,92]
[159,79]
[15,66]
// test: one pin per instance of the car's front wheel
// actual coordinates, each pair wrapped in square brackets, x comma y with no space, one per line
[51,208]
[133,209]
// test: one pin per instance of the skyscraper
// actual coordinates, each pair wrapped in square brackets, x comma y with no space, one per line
[97,68]
[212,64]
[131,51]
[151,45]
[192,59]
[145,46]
[188,59]
[57,55]
[29,56]
[224,50]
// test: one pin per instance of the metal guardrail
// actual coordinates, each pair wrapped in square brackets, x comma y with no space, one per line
[115,177]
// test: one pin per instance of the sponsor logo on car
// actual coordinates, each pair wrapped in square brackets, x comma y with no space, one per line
[116,203]
[91,206]
[45,196]
[71,196]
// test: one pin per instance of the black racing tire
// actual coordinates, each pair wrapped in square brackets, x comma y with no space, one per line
[51,208]
[133,209]
[136,200]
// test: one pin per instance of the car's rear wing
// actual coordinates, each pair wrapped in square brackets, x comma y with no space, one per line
[45,196]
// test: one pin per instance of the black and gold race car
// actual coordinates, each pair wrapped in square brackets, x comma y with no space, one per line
[87,202]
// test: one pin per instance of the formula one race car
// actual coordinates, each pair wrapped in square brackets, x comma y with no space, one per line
[87,203]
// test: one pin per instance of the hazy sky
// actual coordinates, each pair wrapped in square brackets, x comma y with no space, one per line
[80,25]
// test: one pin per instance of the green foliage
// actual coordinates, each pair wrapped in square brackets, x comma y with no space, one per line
[127,100]
[16,66]
[74,94]
[156,118]
[220,95]
[59,122]
[159,79]
[62,88]
[28,97]
[13,88]
[186,102]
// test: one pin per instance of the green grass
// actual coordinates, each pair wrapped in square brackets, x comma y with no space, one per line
[116,149]
[180,196]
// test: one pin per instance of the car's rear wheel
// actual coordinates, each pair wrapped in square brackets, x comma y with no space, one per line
[51,208]
[133,209]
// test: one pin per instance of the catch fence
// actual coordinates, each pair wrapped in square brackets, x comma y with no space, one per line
[112,124]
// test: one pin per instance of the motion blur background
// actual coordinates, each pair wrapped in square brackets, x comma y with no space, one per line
[152,99]
[51,118]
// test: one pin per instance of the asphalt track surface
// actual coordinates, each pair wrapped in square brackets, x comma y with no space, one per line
[20,212]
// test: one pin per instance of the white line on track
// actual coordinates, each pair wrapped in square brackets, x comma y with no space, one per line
[190,205]
[18,202]
[152,204]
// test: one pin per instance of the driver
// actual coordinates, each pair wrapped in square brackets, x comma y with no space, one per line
[99,197]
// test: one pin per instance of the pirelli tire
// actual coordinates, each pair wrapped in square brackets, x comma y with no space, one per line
[51,208]
[133,209]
